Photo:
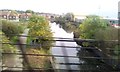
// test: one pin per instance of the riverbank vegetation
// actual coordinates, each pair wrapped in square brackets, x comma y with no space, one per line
[105,38]
[6,47]
[67,22]
[95,28]
[7,38]
[41,36]
[12,29]
[9,33]
[40,28]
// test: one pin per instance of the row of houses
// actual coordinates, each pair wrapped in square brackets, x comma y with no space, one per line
[15,16]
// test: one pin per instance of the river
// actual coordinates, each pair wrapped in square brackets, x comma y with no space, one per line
[59,32]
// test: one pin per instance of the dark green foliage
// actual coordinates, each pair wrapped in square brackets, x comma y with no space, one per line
[67,22]
[6,47]
[90,26]
[100,36]
[69,17]
[11,28]
[29,11]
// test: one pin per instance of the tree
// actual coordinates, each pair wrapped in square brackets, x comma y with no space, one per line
[90,26]
[69,17]
[29,11]
[108,34]
[95,28]
[11,29]
[39,26]
[40,33]
[67,22]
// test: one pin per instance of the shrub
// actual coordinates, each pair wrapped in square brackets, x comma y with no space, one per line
[39,26]
[11,28]
[6,47]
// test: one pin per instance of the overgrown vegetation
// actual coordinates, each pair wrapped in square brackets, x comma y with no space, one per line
[9,33]
[40,34]
[106,39]
[95,28]
[38,61]
[11,29]
[6,47]
[39,27]
[90,26]
[67,22]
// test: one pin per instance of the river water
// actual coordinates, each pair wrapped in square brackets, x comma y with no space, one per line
[59,32]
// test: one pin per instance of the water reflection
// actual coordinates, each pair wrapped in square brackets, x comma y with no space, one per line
[59,32]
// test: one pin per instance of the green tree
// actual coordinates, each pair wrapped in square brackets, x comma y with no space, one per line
[39,26]
[110,33]
[11,28]
[95,28]
[69,17]
[39,30]
[90,26]
[110,37]
[67,22]
[29,11]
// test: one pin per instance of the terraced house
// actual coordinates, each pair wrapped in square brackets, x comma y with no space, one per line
[23,16]
[14,16]
[9,15]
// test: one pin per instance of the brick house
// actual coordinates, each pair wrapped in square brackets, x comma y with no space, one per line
[25,16]
[13,16]
[9,15]
[4,14]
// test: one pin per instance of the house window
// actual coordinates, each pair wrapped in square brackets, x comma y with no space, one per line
[4,16]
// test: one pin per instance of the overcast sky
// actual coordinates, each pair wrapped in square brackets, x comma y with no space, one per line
[82,7]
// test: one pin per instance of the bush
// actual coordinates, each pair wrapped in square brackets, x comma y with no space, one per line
[6,47]
[37,61]
[90,26]
[39,26]
[11,28]
[110,33]
[109,36]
